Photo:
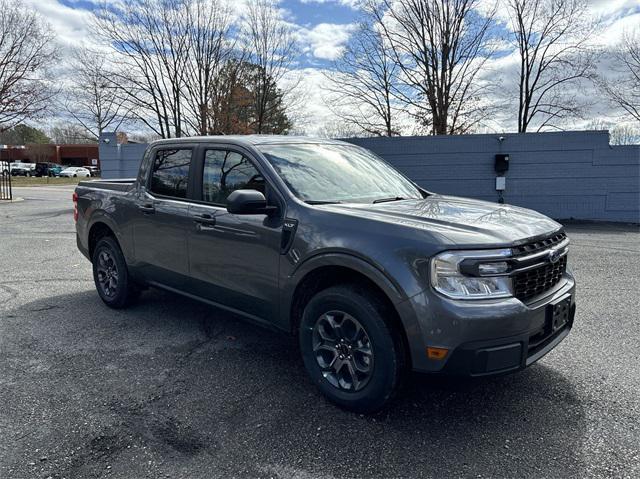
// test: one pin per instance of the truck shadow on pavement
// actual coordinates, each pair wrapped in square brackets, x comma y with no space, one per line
[175,387]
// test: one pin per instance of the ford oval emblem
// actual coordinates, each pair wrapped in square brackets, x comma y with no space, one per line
[554,255]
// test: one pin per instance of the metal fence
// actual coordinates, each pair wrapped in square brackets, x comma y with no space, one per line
[5,181]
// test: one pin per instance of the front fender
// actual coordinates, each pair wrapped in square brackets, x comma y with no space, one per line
[345,260]
[385,282]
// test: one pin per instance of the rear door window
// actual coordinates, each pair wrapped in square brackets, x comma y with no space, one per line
[170,175]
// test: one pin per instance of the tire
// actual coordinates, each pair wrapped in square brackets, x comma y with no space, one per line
[75,176]
[117,291]
[372,348]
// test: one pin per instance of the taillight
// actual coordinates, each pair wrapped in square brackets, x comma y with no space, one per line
[75,206]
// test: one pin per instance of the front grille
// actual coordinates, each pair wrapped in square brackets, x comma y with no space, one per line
[536,281]
[534,247]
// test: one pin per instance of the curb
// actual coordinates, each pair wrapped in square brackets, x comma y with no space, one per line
[15,200]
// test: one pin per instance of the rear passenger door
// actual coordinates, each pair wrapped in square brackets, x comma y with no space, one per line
[234,258]
[162,218]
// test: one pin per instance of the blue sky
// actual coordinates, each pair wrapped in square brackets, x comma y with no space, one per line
[311,13]
[303,12]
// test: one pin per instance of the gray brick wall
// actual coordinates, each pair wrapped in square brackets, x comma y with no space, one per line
[564,174]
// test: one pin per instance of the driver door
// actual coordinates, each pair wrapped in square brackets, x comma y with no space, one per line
[233,259]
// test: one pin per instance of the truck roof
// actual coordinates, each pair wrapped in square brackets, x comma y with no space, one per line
[250,140]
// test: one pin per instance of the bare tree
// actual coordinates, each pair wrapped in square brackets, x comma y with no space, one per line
[207,25]
[92,100]
[339,129]
[441,46]
[65,132]
[41,152]
[271,48]
[26,52]
[623,85]
[552,39]
[624,134]
[364,81]
[151,54]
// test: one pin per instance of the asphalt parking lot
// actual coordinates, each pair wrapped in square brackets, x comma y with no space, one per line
[173,388]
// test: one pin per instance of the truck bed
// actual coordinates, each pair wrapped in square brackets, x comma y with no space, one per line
[112,185]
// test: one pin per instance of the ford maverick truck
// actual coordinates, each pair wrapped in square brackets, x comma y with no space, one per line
[374,275]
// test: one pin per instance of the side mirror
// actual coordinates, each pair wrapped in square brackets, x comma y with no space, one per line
[248,202]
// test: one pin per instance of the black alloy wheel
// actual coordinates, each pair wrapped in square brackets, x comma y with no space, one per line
[343,350]
[111,276]
[351,347]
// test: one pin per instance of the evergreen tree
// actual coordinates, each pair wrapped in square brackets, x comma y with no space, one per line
[23,135]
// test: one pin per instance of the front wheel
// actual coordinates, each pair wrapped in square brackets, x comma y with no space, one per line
[111,275]
[350,349]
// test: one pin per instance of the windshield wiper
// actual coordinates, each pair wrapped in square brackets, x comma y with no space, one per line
[386,200]
[322,202]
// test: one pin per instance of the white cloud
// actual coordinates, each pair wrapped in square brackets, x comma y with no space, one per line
[609,7]
[71,25]
[613,32]
[326,40]
[354,4]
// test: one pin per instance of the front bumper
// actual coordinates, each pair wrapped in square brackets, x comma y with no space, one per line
[485,337]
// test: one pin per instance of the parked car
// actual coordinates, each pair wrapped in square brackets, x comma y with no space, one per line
[324,240]
[95,171]
[55,170]
[22,169]
[47,169]
[75,171]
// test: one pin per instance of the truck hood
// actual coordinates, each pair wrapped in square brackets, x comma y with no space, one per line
[461,221]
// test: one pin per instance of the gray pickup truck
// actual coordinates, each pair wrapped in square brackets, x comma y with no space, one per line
[324,240]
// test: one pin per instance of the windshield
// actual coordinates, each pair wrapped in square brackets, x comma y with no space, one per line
[337,173]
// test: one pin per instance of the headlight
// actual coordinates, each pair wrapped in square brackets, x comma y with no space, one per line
[483,274]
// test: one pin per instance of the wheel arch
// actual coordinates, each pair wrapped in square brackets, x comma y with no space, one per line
[335,269]
[99,229]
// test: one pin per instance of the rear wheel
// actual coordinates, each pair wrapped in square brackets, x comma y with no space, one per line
[350,350]
[111,275]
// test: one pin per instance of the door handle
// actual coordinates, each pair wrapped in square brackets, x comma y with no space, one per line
[204,219]
[147,208]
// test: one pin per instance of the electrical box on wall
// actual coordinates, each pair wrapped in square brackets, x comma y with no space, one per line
[501,183]
[502,164]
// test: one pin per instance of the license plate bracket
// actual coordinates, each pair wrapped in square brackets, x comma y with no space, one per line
[558,313]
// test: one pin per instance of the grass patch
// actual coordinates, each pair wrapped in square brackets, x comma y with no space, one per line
[45,181]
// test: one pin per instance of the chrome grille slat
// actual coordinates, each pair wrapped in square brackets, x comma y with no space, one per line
[536,246]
